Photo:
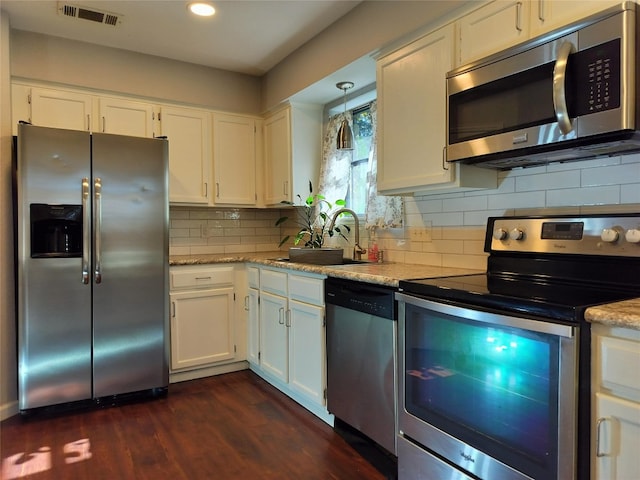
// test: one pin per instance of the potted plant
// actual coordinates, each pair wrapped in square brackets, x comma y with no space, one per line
[314,222]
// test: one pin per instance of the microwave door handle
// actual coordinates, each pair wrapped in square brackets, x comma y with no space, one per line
[559,94]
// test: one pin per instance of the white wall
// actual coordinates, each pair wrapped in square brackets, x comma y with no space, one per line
[8,373]
[67,62]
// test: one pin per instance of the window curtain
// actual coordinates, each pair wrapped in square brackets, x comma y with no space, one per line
[335,172]
[382,211]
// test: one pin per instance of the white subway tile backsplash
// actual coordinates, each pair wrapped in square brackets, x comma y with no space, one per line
[548,181]
[584,196]
[630,193]
[613,175]
[516,200]
[456,221]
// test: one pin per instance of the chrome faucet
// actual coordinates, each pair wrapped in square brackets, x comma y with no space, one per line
[357,249]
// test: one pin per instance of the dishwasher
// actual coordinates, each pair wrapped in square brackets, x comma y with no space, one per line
[361,358]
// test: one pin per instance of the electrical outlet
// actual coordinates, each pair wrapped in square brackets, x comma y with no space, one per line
[420,234]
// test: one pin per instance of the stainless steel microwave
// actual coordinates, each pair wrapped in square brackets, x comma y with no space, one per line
[568,95]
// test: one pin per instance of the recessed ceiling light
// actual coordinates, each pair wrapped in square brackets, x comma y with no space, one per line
[201,8]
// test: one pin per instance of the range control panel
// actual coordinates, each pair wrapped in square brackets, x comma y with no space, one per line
[616,234]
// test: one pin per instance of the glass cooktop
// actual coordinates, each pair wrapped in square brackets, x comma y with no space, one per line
[548,300]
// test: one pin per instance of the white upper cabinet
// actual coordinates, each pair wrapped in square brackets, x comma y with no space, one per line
[54,108]
[292,152]
[547,15]
[234,159]
[126,117]
[493,27]
[189,135]
[411,85]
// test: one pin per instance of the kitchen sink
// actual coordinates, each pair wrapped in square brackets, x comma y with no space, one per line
[345,261]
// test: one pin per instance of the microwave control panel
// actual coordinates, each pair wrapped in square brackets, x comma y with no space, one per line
[593,83]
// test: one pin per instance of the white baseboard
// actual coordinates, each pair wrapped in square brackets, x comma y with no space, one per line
[8,409]
[175,377]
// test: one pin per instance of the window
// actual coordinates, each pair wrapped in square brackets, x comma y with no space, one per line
[362,136]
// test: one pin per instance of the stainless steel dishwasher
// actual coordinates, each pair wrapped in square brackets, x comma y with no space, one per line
[361,358]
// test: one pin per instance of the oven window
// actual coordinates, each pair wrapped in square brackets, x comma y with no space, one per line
[493,387]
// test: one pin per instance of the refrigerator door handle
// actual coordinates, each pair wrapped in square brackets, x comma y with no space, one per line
[86,230]
[97,192]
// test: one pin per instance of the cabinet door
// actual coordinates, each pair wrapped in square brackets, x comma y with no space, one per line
[617,438]
[277,157]
[274,350]
[547,15]
[189,135]
[492,28]
[202,327]
[234,159]
[412,114]
[126,117]
[307,372]
[253,333]
[60,109]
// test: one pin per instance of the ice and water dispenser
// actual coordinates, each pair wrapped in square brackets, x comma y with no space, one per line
[56,230]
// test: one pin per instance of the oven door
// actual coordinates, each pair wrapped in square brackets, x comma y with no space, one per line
[494,395]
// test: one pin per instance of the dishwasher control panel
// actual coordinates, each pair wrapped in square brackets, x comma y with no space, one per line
[362,297]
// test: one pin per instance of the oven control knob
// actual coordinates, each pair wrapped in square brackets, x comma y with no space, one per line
[500,234]
[609,235]
[516,234]
[632,235]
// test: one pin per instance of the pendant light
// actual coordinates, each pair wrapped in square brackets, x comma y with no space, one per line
[345,135]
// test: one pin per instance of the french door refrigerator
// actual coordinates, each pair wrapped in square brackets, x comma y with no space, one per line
[92,264]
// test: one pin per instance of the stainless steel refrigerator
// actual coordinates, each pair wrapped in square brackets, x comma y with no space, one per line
[92,265]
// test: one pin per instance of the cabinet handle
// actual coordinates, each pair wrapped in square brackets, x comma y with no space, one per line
[204,278]
[246,303]
[285,188]
[173,309]
[519,16]
[104,124]
[88,123]
[444,158]
[541,10]
[206,190]
[599,423]
[281,315]
[288,316]
[217,190]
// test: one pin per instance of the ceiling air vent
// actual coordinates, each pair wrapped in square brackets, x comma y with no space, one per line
[77,11]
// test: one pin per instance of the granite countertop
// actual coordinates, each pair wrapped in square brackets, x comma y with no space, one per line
[380,273]
[618,314]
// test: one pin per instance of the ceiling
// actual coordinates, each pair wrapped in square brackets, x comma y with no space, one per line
[245,36]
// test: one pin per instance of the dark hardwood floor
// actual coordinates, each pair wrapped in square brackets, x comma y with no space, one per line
[233,426]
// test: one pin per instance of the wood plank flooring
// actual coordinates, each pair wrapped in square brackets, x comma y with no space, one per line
[232,426]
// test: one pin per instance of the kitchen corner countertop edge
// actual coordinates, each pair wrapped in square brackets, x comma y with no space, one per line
[618,314]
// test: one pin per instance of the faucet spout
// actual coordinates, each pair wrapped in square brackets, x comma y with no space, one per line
[357,249]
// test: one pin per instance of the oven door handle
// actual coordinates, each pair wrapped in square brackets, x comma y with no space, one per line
[550,328]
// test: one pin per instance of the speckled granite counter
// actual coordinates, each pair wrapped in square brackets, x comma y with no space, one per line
[618,314]
[380,273]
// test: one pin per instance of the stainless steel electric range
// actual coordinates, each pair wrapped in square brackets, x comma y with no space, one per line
[494,374]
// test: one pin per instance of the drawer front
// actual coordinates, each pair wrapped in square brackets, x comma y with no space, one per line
[253,277]
[306,289]
[273,281]
[201,277]
[620,364]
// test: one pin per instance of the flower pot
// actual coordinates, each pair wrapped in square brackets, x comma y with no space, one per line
[316,256]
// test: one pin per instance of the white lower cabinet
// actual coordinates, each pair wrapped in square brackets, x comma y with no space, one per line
[616,403]
[290,324]
[203,321]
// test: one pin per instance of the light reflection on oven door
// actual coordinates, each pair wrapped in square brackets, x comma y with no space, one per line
[492,394]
